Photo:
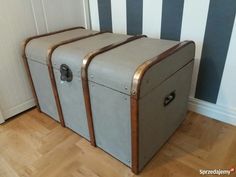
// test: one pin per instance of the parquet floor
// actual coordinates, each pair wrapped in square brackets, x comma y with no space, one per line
[33,145]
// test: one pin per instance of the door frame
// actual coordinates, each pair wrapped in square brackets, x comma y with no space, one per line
[87,17]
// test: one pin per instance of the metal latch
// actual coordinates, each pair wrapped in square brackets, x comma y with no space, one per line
[66,73]
[169,98]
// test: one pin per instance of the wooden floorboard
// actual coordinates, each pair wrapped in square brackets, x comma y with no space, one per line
[33,145]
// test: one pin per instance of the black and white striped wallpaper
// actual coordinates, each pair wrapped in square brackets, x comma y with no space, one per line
[210,23]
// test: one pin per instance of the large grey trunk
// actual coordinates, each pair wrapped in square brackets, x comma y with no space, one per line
[161,101]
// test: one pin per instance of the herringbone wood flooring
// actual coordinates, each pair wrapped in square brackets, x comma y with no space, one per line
[33,145]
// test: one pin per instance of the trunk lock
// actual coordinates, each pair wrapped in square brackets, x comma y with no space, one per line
[66,73]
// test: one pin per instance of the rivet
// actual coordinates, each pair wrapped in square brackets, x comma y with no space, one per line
[91,76]
[126,88]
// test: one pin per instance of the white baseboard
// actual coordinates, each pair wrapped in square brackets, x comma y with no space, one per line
[213,111]
[18,109]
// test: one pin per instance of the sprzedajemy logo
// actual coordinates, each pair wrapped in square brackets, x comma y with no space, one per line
[217,171]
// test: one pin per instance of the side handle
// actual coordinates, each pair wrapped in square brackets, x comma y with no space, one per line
[169,98]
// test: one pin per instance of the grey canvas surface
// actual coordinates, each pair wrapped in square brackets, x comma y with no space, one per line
[73,54]
[37,49]
[116,68]
[42,84]
[71,93]
[158,122]
[111,118]
[36,52]
[72,102]
[110,95]
[158,73]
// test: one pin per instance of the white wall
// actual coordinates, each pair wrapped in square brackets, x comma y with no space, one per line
[19,20]
[195,31]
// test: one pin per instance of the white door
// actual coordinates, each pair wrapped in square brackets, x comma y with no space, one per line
[19,20]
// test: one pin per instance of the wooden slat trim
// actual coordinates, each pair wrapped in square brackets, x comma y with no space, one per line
[27,64]
[135,94]
[84,73]
[52,76]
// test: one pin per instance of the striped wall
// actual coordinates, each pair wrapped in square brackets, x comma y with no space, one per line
[210,23]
